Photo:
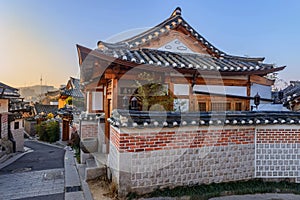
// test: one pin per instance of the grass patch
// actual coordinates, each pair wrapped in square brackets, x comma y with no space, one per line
[204,192]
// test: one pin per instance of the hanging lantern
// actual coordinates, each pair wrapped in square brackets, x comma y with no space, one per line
[256,100]
[134,103]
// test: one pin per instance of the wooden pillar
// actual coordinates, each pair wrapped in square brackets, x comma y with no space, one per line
[247,106]
[114,93]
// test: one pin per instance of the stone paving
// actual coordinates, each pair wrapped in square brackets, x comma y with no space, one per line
[56,183]
[31,184]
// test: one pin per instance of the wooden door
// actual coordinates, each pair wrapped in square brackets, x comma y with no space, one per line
[65,130]
[107,124]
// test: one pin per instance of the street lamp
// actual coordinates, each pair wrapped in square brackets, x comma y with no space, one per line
[256,100]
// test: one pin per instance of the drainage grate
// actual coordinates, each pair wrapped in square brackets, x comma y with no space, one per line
[73,188]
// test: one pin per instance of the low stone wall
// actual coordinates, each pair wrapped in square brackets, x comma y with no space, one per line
[142,160]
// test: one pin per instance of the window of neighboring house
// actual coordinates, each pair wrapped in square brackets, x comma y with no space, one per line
[220,106]
[97,101]
[238,106]
[202,106]
[16,126]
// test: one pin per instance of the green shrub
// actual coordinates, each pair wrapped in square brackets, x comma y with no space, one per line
[48,131]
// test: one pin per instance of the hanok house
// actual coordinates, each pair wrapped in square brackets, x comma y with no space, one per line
[70,94]
[12,110]
[149,90]
[290,96]
[72,89]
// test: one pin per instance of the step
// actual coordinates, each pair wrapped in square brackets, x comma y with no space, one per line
[100,158]
[93,171]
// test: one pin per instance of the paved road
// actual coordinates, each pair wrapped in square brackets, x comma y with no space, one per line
[43,157]
[36,175]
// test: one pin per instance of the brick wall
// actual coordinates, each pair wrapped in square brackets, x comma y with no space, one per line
[283,134]
[160,139]
[148,158]
[143,159]
[88,129]
[4,125]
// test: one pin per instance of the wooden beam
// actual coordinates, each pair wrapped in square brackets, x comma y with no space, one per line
[261,80]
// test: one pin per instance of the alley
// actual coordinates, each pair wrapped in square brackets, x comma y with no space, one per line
[37,175]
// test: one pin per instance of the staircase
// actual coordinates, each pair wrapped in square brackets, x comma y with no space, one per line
[95,166]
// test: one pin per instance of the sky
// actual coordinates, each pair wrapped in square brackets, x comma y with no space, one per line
[38,38]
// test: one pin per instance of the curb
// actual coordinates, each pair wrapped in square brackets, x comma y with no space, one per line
[56,144]
[15,156]
[73,180]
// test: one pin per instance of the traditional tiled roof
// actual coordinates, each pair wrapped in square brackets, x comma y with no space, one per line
[17,105]
[134,119]
[131,51]
[189,61]
[8,92]
[172,23]
[68,110]
[46,109]
[291,93]
[72,88]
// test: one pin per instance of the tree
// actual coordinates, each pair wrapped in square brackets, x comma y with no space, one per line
[151,93]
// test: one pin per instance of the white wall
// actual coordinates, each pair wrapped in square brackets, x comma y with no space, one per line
[228,90]
[181,89]
[97,101]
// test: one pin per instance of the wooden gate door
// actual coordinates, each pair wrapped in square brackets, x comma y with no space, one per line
[65,130]
[107,125]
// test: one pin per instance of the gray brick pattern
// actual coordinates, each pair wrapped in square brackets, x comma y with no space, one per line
[192,166]
[277,160]
[30,184]
[113,161]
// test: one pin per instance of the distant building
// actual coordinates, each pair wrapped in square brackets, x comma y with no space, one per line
[71,90]
[291,96]
[12,112]
[35,93]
